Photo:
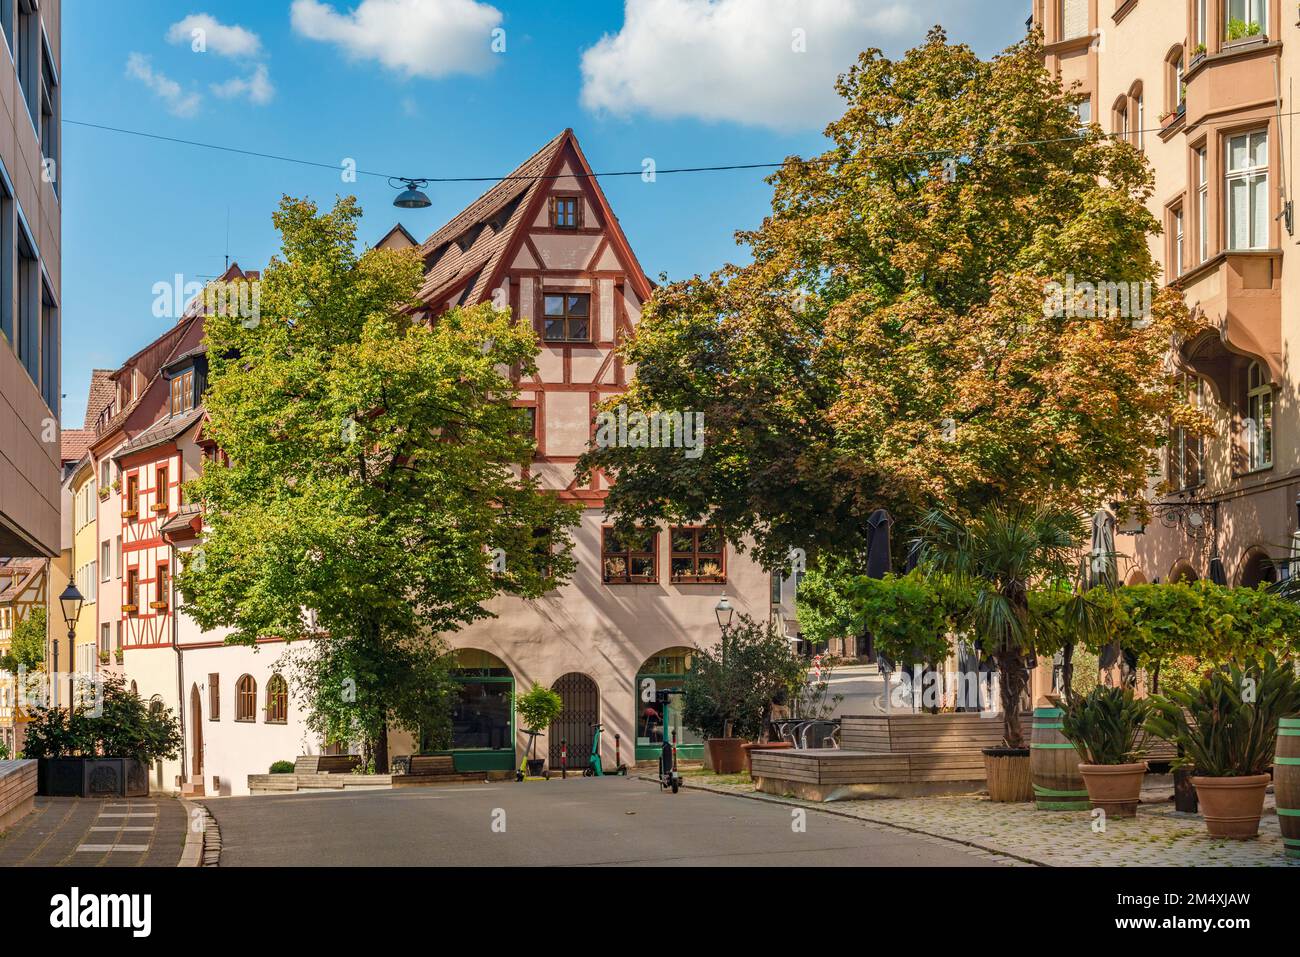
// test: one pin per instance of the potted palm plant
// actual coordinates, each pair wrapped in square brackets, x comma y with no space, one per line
[995,558]
[1104,726]
[537,708]
[1226,729]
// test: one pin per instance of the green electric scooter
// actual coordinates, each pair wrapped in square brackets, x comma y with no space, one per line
[594,767]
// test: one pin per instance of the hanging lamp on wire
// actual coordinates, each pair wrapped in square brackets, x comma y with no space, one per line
[413,196]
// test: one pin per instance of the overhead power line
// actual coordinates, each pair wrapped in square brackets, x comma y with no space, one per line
[336,167]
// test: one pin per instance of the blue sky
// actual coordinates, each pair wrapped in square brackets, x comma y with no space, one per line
[413,87]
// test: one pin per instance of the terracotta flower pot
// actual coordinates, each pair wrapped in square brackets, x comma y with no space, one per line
[1115,788]
[1007,770]
[726,756]
[1232,806]
[749,747]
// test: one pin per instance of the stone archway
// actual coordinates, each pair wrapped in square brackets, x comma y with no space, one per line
[573,727]
[1257,567]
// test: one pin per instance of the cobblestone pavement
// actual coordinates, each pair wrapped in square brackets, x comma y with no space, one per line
[85,832]
[1158,837]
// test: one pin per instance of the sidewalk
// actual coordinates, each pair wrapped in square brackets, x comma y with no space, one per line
[1158,837]
[83,832]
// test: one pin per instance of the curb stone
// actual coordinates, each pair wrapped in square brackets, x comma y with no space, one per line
[192,852]
[1001,857]
[202,847]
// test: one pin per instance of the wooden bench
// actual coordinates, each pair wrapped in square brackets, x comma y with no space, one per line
[907,732]
[326,763]
[431,764]
[834,774]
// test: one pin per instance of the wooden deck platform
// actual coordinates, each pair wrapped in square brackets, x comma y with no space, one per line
[836,774]
[893,755]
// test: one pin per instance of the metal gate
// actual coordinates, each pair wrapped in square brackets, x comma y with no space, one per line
[581,710]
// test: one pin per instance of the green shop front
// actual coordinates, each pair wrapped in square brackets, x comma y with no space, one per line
[482,716]
[660,687]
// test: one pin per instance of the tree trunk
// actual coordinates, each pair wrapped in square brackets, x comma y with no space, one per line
[1067,671]
[1011,665]
[381,749]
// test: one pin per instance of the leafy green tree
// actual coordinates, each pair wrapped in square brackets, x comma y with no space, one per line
[27,645]
[377,472]
[895,341]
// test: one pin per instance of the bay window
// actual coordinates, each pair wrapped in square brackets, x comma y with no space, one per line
[1246,189]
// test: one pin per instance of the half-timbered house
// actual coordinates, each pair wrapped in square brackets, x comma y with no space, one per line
[545,242]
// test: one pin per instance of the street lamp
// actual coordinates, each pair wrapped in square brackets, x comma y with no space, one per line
[724,611]
[71,601]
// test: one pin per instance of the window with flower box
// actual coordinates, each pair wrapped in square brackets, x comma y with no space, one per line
[629,558]
[696,554]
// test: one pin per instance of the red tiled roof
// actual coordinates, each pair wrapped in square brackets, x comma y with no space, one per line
[102,391]
[486,226]
[74,443]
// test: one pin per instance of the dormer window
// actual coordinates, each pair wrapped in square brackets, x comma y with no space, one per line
[565,212]
[183,392]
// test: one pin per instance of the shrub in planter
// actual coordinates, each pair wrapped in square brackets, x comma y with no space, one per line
[1103,726]
[731,689]
[282,767]
[537,708]
[77,747]
[1226,729]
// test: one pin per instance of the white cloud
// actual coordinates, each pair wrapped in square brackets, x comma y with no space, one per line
[737,60]
[179,102]
[227,40]
[257,87]
[427,38]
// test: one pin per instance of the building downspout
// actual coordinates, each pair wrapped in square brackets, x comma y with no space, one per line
[180,660]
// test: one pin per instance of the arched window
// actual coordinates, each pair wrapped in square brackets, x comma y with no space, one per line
[134,689]
[246,699]
[1259,418]
[277,700]
[156,705]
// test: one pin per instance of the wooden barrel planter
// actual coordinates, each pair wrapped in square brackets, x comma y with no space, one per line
[1054,766]
[1286,784]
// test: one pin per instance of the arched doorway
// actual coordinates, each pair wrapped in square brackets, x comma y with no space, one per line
[658,702]
[581,700]
[1135,577]
[1182,572]
[1257,568]
[196,722]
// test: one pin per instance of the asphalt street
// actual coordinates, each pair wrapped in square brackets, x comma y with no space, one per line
[581,821]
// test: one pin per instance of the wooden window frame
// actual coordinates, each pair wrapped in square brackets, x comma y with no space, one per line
[182,392]
[161,475]
[277,700]
[246,699]
[131,502]
[627,555]
[214,696]
[565,317]
[161,597]
[696,557]
[556,199]
[132,604]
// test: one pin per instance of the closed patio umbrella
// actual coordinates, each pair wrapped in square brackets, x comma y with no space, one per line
[1218,574]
